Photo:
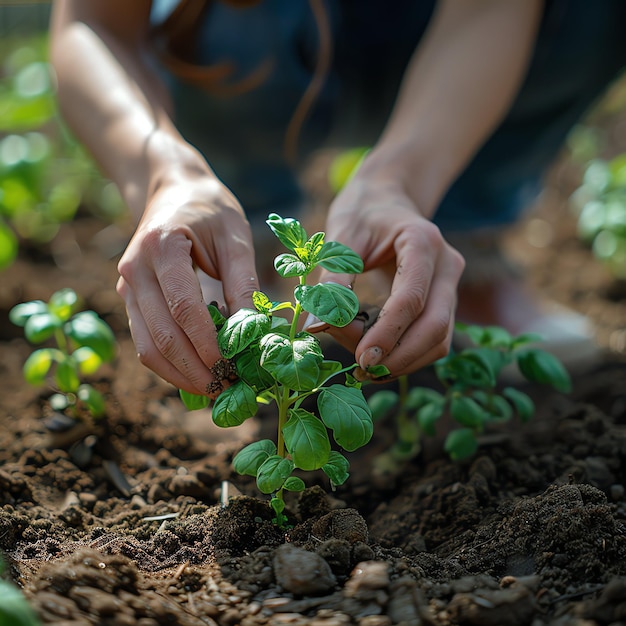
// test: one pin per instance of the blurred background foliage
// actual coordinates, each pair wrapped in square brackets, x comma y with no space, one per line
[46,179]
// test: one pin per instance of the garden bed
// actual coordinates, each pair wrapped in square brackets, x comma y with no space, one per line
[531,530]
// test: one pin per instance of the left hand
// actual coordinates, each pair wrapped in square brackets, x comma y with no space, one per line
[383,226]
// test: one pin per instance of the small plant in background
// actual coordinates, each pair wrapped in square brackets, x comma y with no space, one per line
[470,395]
[275,362]
[44,175]
[600,204]
[83,343]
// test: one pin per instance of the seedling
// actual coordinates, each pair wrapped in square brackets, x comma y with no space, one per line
[471,394]
[45,176]
[600,205]
[83,343]
[277,362]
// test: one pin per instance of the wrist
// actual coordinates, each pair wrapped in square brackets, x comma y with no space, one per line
[403,166]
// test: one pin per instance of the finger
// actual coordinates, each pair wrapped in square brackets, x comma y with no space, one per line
[181,302]
[160,343]
[234,263]
[416,258]
[430,336]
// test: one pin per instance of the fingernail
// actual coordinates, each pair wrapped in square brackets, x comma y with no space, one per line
[372,356]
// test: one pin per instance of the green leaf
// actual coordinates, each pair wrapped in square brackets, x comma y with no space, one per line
[500,410]
[468,412]
[278,506]
[327,370]
[490,360]
[542,367]
[249,369]
[420,396]
[338,258]
[288,230]
[382,402]
[87,329]
[460,444]
[193,401]
[273,473]
[378,371]
[248,460]
[334,304]
[344,166]
[345,411]
[289,265]
[87,359]
[240,330]
[495,336]
[92,398]
[306,439]
[40,327]
[38,365]
[336,468]
[521,402]
[234,405]
[525,339]
[63,303]
[428,415]
[66,377]
[314,246]
[8,246]
[216,316]
[20,313]
[474,332]
[261,302]
[293,483]
[294,364]
[14,609]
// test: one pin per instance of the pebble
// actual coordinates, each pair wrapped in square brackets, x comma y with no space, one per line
[302,572]
[367,577]
[157,492]
[375,620]
[617,492]
[188,485]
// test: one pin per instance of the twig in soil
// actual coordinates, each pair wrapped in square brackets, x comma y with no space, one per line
[158,518]
[117,477]
[577,594]
[179,571]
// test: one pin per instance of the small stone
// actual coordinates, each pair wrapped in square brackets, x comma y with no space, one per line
[302,572]
[157,492]
[137,502]
[87,500]
[367,578]
[188,485]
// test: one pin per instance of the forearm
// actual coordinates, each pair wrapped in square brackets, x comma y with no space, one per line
[457,88]
[117,106]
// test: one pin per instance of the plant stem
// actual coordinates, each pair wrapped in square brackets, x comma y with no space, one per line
[61,340]
[282,400]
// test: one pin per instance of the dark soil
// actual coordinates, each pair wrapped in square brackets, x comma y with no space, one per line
[129,529]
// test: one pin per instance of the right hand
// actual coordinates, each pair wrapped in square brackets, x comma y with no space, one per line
[186,230]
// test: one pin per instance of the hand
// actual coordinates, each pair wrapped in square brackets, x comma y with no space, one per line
[191,230]
[415,326]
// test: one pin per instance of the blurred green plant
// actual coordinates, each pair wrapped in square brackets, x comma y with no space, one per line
[600,205]
[44,174]
[472,394]
[14,608]
[83,340]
